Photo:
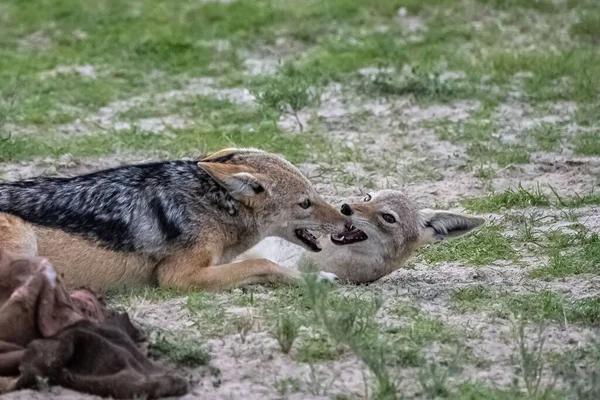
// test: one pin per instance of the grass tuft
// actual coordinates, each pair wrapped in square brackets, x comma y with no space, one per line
[509,199]
[570,254]
[587,28]
[290,91]
[546,136]
[471,298]
[187,353]
[286,331]
[481,248]
[419,83]
[588,143]
[538,306]
[524,198]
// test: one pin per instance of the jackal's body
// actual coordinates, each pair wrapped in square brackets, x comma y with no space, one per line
[177,223]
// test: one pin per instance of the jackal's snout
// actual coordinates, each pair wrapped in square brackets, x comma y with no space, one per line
[331,219]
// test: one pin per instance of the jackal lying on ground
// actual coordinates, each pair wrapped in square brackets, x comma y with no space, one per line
[176,223]
[385,228]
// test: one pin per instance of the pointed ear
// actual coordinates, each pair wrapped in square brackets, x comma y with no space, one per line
[440,225]
[240,181]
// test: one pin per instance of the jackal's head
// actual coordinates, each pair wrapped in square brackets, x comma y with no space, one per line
[282,200]
[387,227]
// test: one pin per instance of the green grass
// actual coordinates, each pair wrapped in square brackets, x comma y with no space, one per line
[127,296]
[471,298]
[348,322]
[537,5]
[587,28]
[481,248]
[479,391]
[184,142]
[128,41]
[509,199]
[588,143]
[501,154]
[524,198]
[538,306]
[570,254]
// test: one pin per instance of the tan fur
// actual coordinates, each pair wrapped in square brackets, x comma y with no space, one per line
[84,264]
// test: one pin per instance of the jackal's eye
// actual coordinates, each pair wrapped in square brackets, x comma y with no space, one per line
[305,204]
[389,218]
[367,197]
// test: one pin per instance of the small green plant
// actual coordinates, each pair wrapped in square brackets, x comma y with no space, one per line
[287,386]
[317,349]
[351,322]
[286,331]
[290,91]
[580,370]
[485,173]
[185,352]
[433,376]
[420,83]
[42,384]
[529,358]
[470,298]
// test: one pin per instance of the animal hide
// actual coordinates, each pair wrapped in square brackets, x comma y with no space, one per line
[70,338]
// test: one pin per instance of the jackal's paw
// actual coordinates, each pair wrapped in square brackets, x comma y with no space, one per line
[327,276]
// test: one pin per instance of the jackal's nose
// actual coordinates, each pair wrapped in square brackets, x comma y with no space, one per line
[346,209]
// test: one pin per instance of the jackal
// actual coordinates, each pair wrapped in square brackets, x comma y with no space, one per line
[176,223]
[385,228]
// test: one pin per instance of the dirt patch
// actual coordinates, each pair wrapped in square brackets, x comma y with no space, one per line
[85,71]
[155,125]
[37,41]
[256,368]
[66,165]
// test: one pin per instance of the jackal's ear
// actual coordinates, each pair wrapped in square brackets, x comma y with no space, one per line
[439,225]
[240,181]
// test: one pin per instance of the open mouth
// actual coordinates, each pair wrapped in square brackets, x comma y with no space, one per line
[308,239]
[352,235]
